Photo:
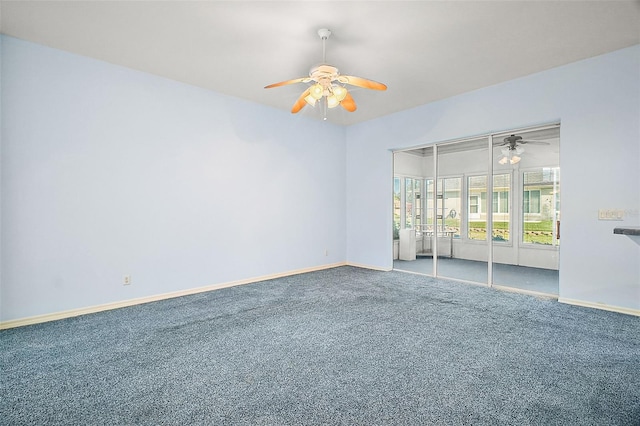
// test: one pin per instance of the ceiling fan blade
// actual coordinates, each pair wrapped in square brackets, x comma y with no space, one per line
[534,142]
[284,83]
[362,82]
[300,103]
[348,103]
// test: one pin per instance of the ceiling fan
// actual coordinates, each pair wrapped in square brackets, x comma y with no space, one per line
[327,82]
[512,149]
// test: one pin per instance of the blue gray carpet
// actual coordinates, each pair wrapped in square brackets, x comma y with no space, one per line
[341,346]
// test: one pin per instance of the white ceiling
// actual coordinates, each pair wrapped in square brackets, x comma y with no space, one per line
[423,50]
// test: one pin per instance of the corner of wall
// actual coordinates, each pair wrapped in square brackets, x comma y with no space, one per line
[1,157]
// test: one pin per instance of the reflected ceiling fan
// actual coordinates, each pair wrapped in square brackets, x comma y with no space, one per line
[512,149]
[326,81]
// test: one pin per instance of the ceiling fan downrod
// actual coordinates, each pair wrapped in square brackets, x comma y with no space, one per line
[324,35]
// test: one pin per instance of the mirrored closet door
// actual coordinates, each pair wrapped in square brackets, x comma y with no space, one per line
[413,202]
[462,248]
[452,221]
[526,210]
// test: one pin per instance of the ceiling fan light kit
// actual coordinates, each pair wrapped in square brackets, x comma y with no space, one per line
[327,83]
[509,158]
[511,153]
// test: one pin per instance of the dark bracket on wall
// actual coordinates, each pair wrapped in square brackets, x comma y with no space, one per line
[629,230]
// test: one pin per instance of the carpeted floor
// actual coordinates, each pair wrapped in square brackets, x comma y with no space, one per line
[341,346]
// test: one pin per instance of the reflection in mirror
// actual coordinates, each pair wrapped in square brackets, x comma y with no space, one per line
[462,246]
[413,211]
[449,219]
[528,259]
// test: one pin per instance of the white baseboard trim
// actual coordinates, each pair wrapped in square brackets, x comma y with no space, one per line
[138,301]
[604,307]
[374,268]
[538,294]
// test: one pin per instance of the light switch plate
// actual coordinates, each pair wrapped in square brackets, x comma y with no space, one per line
[610,214]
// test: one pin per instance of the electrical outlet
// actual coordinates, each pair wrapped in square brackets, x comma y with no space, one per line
[126,280]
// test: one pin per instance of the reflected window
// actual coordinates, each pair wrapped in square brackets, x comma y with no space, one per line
[477,218]
[500,208]
[429,200]
[541,206]
[477,207]
[449,206]
[396,208]
[417,196]
[409,203]
[531,203]
[413,207]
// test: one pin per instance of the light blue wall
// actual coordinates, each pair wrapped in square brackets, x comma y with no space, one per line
[108,171]
[598,103]
[1,132]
